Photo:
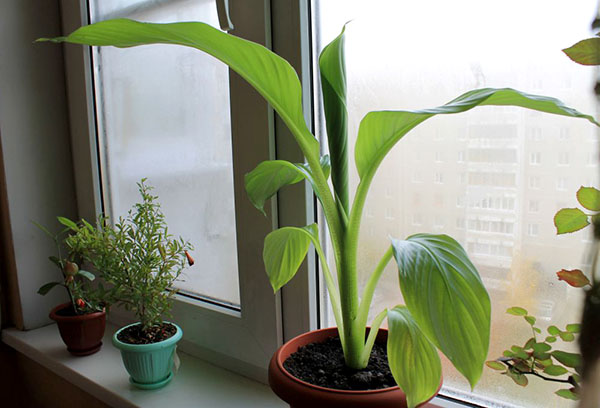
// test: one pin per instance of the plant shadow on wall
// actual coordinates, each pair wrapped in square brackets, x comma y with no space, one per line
[447,307]
[536,356]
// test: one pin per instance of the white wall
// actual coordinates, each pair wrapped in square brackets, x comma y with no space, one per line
[35,142]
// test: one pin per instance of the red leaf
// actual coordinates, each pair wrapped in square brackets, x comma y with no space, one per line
[575,278]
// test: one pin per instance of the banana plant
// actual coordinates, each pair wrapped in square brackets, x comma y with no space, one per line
[447,307]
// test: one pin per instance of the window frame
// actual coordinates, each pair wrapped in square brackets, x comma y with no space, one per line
[244,340]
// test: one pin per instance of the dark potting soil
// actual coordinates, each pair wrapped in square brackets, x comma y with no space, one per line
[66,312]
[135,334]
[322,364]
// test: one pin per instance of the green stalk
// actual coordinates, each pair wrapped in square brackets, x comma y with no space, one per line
[369,290]
[366,353]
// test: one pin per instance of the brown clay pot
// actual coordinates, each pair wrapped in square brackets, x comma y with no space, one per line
[82,334]
[300,394]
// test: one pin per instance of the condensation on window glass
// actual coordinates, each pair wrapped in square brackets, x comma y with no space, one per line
[494,177]
[163,114]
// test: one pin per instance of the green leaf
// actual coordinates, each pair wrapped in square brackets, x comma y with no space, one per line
[553,330]
[518,378]
[572,360]
[570,220]
[88,275]
[56,261]
[530,319]
[285,250]
[43,229]
[566,336]
[46,288]
[68,223]
[589,197]
[458,321]
[516,349]
[267,178]
[574,328]
[529,344]
[379,131]
[413,360]
[537,330]
[550,339]
[585,52]
[541,347]
[333,84]
[272,76]
[555,370]
[568,394]
[495,365]
[516,311]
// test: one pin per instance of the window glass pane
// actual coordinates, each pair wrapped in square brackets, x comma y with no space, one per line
[494,177]
[163,113]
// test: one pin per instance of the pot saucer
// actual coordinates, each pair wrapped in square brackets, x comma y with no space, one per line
[151,386]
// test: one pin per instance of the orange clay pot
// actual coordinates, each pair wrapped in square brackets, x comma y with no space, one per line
[300,394]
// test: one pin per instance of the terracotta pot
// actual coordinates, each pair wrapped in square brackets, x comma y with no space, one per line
[82,334]
[300,394]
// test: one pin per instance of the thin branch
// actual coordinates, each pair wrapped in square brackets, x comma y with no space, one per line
[507,360]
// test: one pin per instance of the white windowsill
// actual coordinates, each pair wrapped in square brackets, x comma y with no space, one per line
[102,375]
[197,382]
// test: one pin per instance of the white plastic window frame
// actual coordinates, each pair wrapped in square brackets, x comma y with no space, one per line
[243,340]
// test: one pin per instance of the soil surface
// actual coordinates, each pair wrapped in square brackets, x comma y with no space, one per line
[66,312]
[135,334]
[322,364]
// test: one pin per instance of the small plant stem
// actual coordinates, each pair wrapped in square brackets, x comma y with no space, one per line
[375,325]
[369,290]
[533,372]
[334,295]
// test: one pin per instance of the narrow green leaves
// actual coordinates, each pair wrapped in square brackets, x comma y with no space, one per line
[570,220]
[413,360]
[379,131]
[585,52]
[568,394]
[495,365]
[269,176]
[333,84]
[272,76]
[437,276]
[284,251]
[67,223]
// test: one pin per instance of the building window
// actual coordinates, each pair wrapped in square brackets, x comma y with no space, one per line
[535,182]
[533,230]
[438,178]
[534,206]
[535,158]
[563,158]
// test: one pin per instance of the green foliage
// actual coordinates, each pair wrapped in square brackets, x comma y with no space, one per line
[83,296]
[538,359]
[452,310]
[569,220]
[137,257]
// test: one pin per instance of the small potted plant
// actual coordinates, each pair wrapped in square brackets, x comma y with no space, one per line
[82,320]
[447,307]
[141,261]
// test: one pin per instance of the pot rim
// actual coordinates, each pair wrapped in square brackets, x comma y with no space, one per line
[88,316]
[140,348]
[317,387]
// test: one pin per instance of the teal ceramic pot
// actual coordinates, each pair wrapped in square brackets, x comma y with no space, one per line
[149,365]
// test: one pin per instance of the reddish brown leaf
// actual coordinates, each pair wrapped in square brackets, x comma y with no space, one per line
[575,277]
[189,258]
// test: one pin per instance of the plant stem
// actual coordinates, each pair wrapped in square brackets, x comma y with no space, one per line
[533,372]
[366,353]
[369,290]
